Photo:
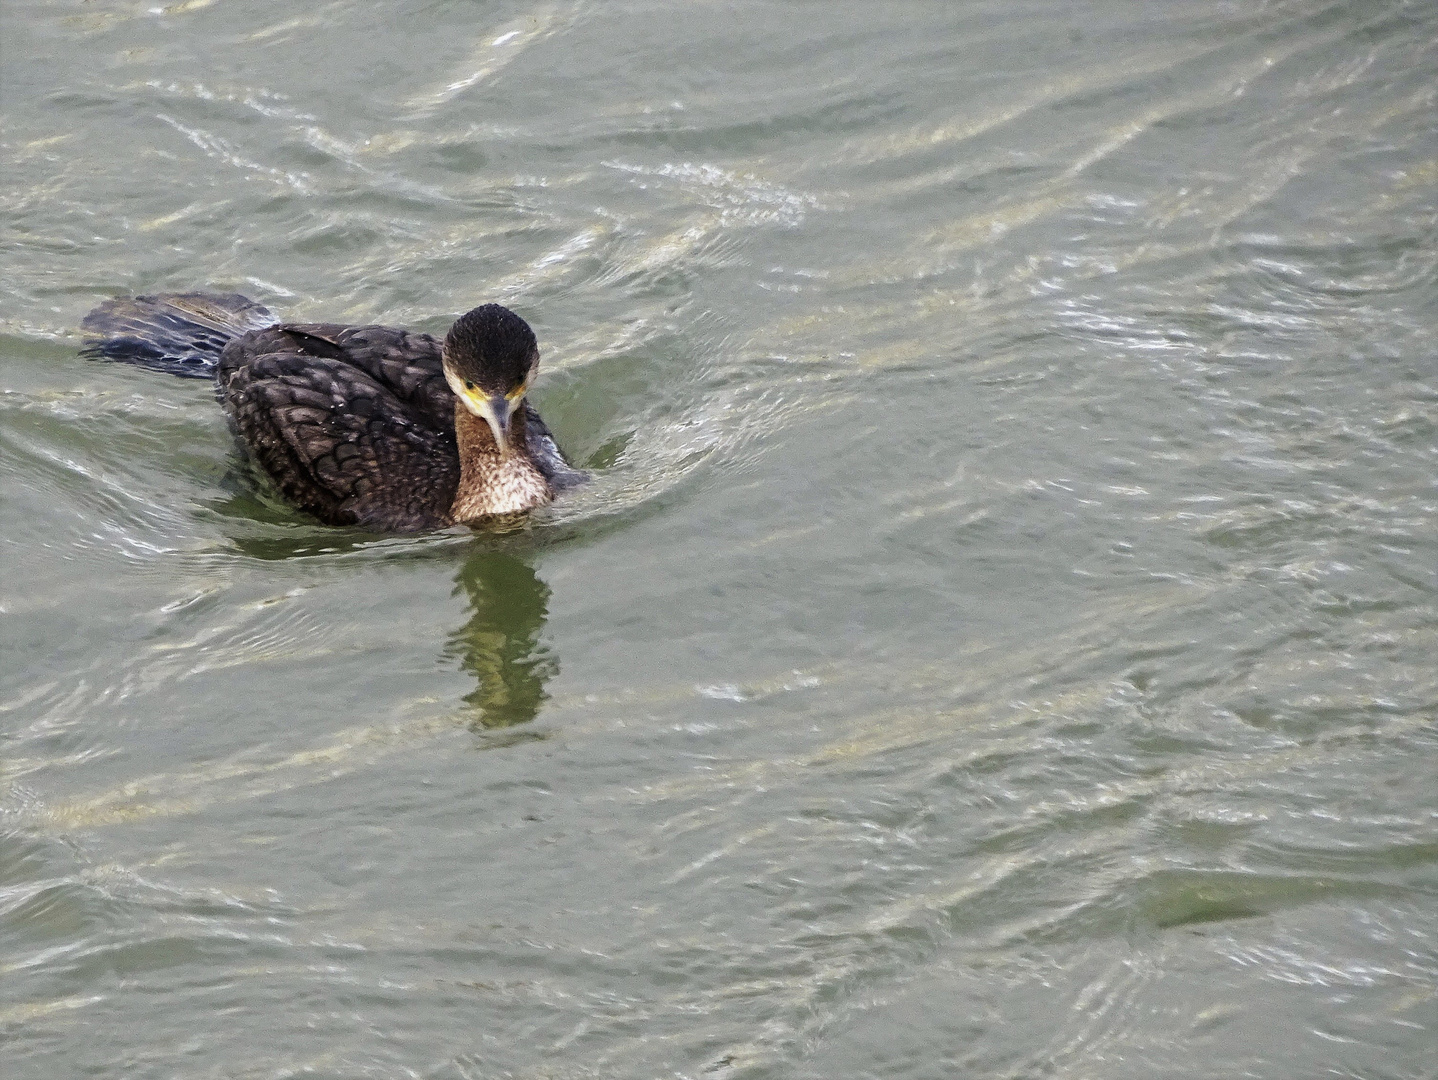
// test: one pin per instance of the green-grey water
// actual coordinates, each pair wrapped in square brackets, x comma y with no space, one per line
[998,637]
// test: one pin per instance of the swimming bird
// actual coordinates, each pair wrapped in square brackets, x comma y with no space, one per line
[360,425]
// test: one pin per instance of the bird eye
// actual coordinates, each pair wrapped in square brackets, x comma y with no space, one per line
[468,385]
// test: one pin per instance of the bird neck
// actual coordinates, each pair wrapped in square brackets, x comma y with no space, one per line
[491,483]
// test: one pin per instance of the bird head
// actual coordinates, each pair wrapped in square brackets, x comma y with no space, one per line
[490,357]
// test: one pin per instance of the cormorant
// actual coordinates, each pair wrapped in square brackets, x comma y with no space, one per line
[360,425]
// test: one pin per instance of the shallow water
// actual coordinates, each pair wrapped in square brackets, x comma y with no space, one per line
[998,639]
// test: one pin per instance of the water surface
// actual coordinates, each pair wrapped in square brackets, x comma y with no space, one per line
[998,640]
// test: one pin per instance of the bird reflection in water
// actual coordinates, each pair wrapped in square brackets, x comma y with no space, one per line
[500,644]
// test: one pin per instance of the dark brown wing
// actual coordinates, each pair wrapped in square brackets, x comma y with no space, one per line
[546,453]
[354,423]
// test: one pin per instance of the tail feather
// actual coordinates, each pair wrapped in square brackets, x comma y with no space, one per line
[179,333]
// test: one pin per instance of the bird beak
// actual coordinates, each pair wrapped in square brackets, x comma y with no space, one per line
[496,410]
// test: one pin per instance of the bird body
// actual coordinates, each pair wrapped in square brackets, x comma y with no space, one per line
[361,425]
